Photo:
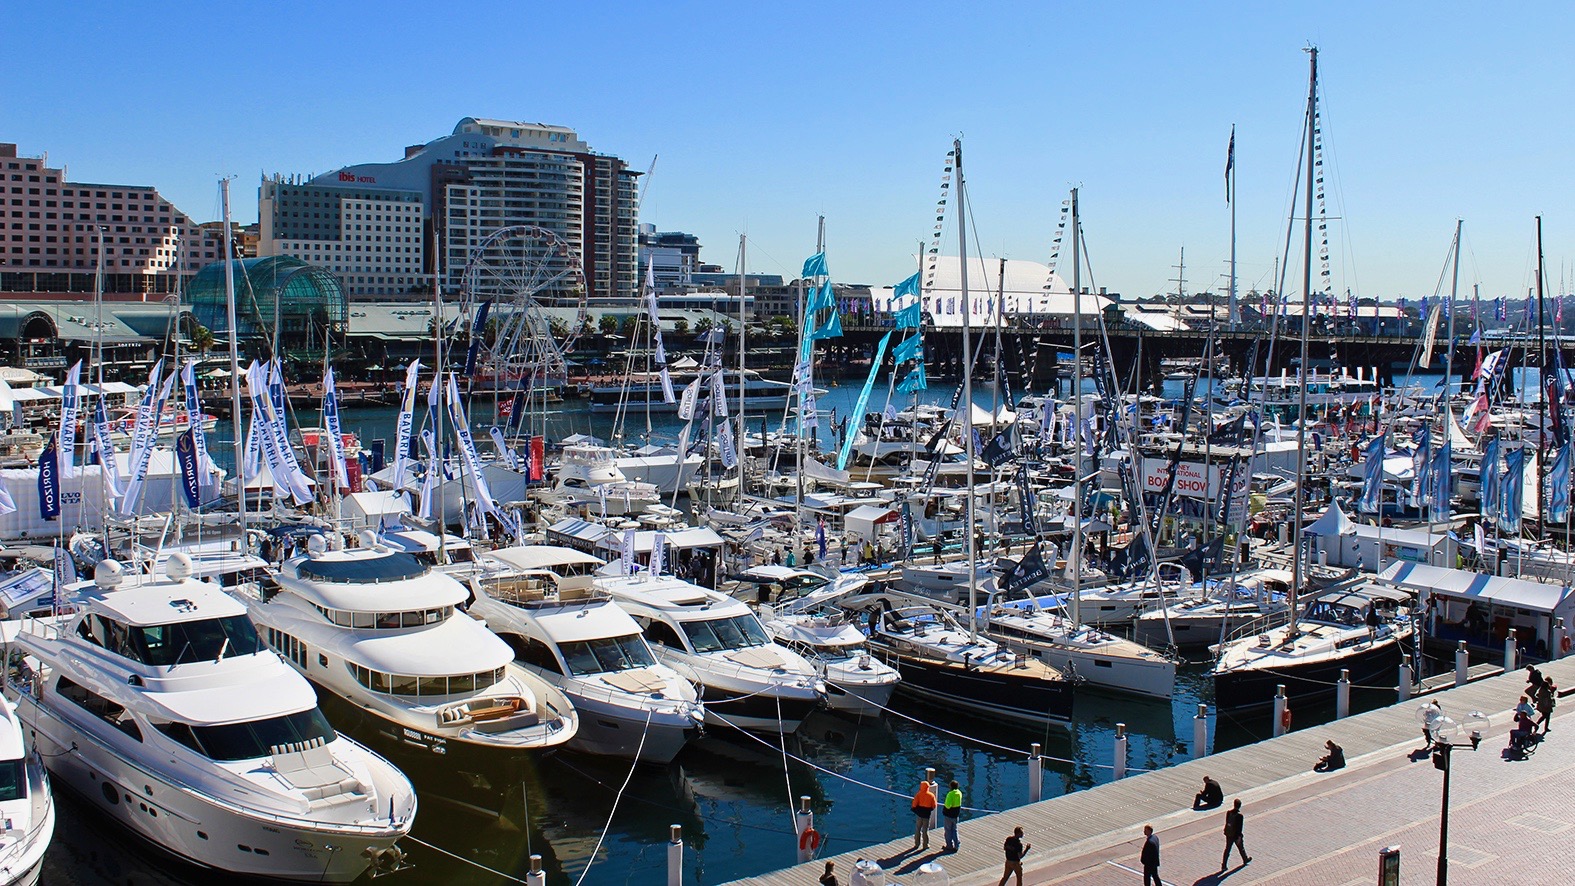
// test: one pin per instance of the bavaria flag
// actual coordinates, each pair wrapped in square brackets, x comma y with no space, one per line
[1373,477]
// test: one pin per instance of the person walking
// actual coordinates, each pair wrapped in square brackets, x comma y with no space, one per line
[1015,849]
[951,811]
[1149,858]
[1234,824]
[923,813]
[1544,702]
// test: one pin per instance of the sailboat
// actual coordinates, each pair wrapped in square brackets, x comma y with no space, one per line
[1363,630]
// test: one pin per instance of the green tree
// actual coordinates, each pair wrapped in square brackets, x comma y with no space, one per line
[558,327]
[703,326]
[627,325]
[681,326]
[608,324]
[202,339]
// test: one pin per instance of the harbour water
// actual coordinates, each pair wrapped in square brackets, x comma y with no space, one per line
[732,794]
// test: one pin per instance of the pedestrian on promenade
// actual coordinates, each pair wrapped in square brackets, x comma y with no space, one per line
[1235,822]
[1211,797]
[829,878]
[1533,679]
[1334,759]
[1545,702]
[1432,715]
[1150,857]
[1015,849]
[923,813]
[951,811]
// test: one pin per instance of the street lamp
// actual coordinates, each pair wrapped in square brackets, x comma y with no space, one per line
[1444,744]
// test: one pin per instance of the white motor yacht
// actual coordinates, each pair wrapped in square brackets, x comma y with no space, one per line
[1229,605]
[808,621]
[541,601]
[588,476]
[746,680]
[380,633]
[27,806]
[158,703]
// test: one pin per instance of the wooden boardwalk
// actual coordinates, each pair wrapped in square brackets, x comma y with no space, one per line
[1071,826]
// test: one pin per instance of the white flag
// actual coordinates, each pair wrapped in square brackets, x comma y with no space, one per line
[628,552]
[407,407]
[70,405]
[718,396]
[686,406]
[724,438]
[658,554]
[667,387]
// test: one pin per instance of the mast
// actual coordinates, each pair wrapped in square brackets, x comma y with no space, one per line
[437,379]
[1542,372]
[967,403]
[1301,395]
[235,355]
[738,444]
[1076,558]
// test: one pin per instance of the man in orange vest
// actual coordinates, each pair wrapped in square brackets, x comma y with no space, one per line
[923,813]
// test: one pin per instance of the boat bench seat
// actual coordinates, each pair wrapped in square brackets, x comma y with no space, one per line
[310,766]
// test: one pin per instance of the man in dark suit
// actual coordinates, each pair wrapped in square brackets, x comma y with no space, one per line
[1235,824]
[1150,857]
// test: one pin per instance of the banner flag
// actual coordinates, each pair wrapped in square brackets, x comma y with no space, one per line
[477,332]
[407,410]
[1028,571]
[70,405]
[1487,479]
[862,404]
[106,450]
[188,378]
[686,404]
[998,451]
[503,448]
[910,348]
[909,286]
[627,554]
[1421,460]
[1373,477]
[434,467]
[718,395]
[659,553]
[49,480]
[1026,499]
[1511,489]
[186,456]
[914,382]
[1440,485]
[1559,486]
[336,446]
[147,428]
[724,438]
[667,387]
[815,265]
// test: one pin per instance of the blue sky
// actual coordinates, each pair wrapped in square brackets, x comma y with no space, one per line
[767,115]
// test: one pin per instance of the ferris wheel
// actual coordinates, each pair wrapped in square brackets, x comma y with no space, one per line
[520,272]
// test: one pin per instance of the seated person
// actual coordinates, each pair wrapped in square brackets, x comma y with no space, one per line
[1333,760]
[1520,736]
[1210,797]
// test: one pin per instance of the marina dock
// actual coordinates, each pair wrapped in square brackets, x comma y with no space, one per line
[1507,824]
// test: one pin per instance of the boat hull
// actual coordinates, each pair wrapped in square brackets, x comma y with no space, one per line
[862,699]
[614,731]
[995,693]
[757,711]
[1313,681]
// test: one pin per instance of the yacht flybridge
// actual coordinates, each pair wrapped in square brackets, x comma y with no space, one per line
[381,634]
[746,680]
[159,704]
[541,601]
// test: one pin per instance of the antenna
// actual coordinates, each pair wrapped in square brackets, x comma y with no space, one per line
[645,185]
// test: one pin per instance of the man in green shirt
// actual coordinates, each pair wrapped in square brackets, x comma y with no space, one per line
[951,810]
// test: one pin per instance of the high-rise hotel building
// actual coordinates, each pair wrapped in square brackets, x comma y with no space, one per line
[385,228]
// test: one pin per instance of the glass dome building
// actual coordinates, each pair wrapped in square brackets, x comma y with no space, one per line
[305,301]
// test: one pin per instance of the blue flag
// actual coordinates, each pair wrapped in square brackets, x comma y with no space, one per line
[1510,491]
[910,317]
[186,455]
[1421,460]
[1559,486]
[909,286]
[910,348]
[476,333]
[49,480]
[1487,478]
[915,382]
[815,265]
[832,329]
[862,403]
[1440,482]
[1373,477]
[1476,337]
[821,298]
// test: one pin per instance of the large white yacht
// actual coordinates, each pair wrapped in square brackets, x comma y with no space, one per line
[380,634]
[745,679]
[27,806]
[158,703]
[540,599]
[807,620]
[588,475]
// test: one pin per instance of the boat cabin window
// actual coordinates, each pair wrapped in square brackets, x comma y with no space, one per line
[533,652]
[250,741]
[663,633]
[383,621]
[207,640]
[99,706]
[13,780]
[725,633]
[606,654]
[424,686]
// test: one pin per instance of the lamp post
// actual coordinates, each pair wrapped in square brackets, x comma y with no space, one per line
[1444,744]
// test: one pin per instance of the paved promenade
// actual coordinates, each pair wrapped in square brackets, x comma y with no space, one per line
[1510,820]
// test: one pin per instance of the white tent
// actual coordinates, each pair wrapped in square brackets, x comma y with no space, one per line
[865,521]
[1333,522]
[365,510]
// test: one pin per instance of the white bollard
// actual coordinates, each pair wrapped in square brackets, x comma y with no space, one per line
[537,876]
[1283,539]
[675,857]
[1119,767]
[1403,688]
[1342,695]
[1036,783]
[1561,637]
[1280,707]
[1462,664]
[931,874]
[1200,732]
[1510,662]
[803,820]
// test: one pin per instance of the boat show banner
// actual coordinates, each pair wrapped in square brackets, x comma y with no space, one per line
[70,404]
[659,553]
[1194,481]
[331,419]
[106,451]
[186,456]
[147,429]
[407,411]
[188,380]
[49,480]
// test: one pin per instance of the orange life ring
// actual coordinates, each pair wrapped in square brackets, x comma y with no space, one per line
[1564,644]
[1285,719]
[809,839]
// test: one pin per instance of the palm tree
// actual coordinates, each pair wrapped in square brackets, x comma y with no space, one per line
[201,339]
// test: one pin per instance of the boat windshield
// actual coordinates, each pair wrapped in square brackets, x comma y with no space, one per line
[13,780]
[250,741]
[606,654]
[725,633]
[188,641]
